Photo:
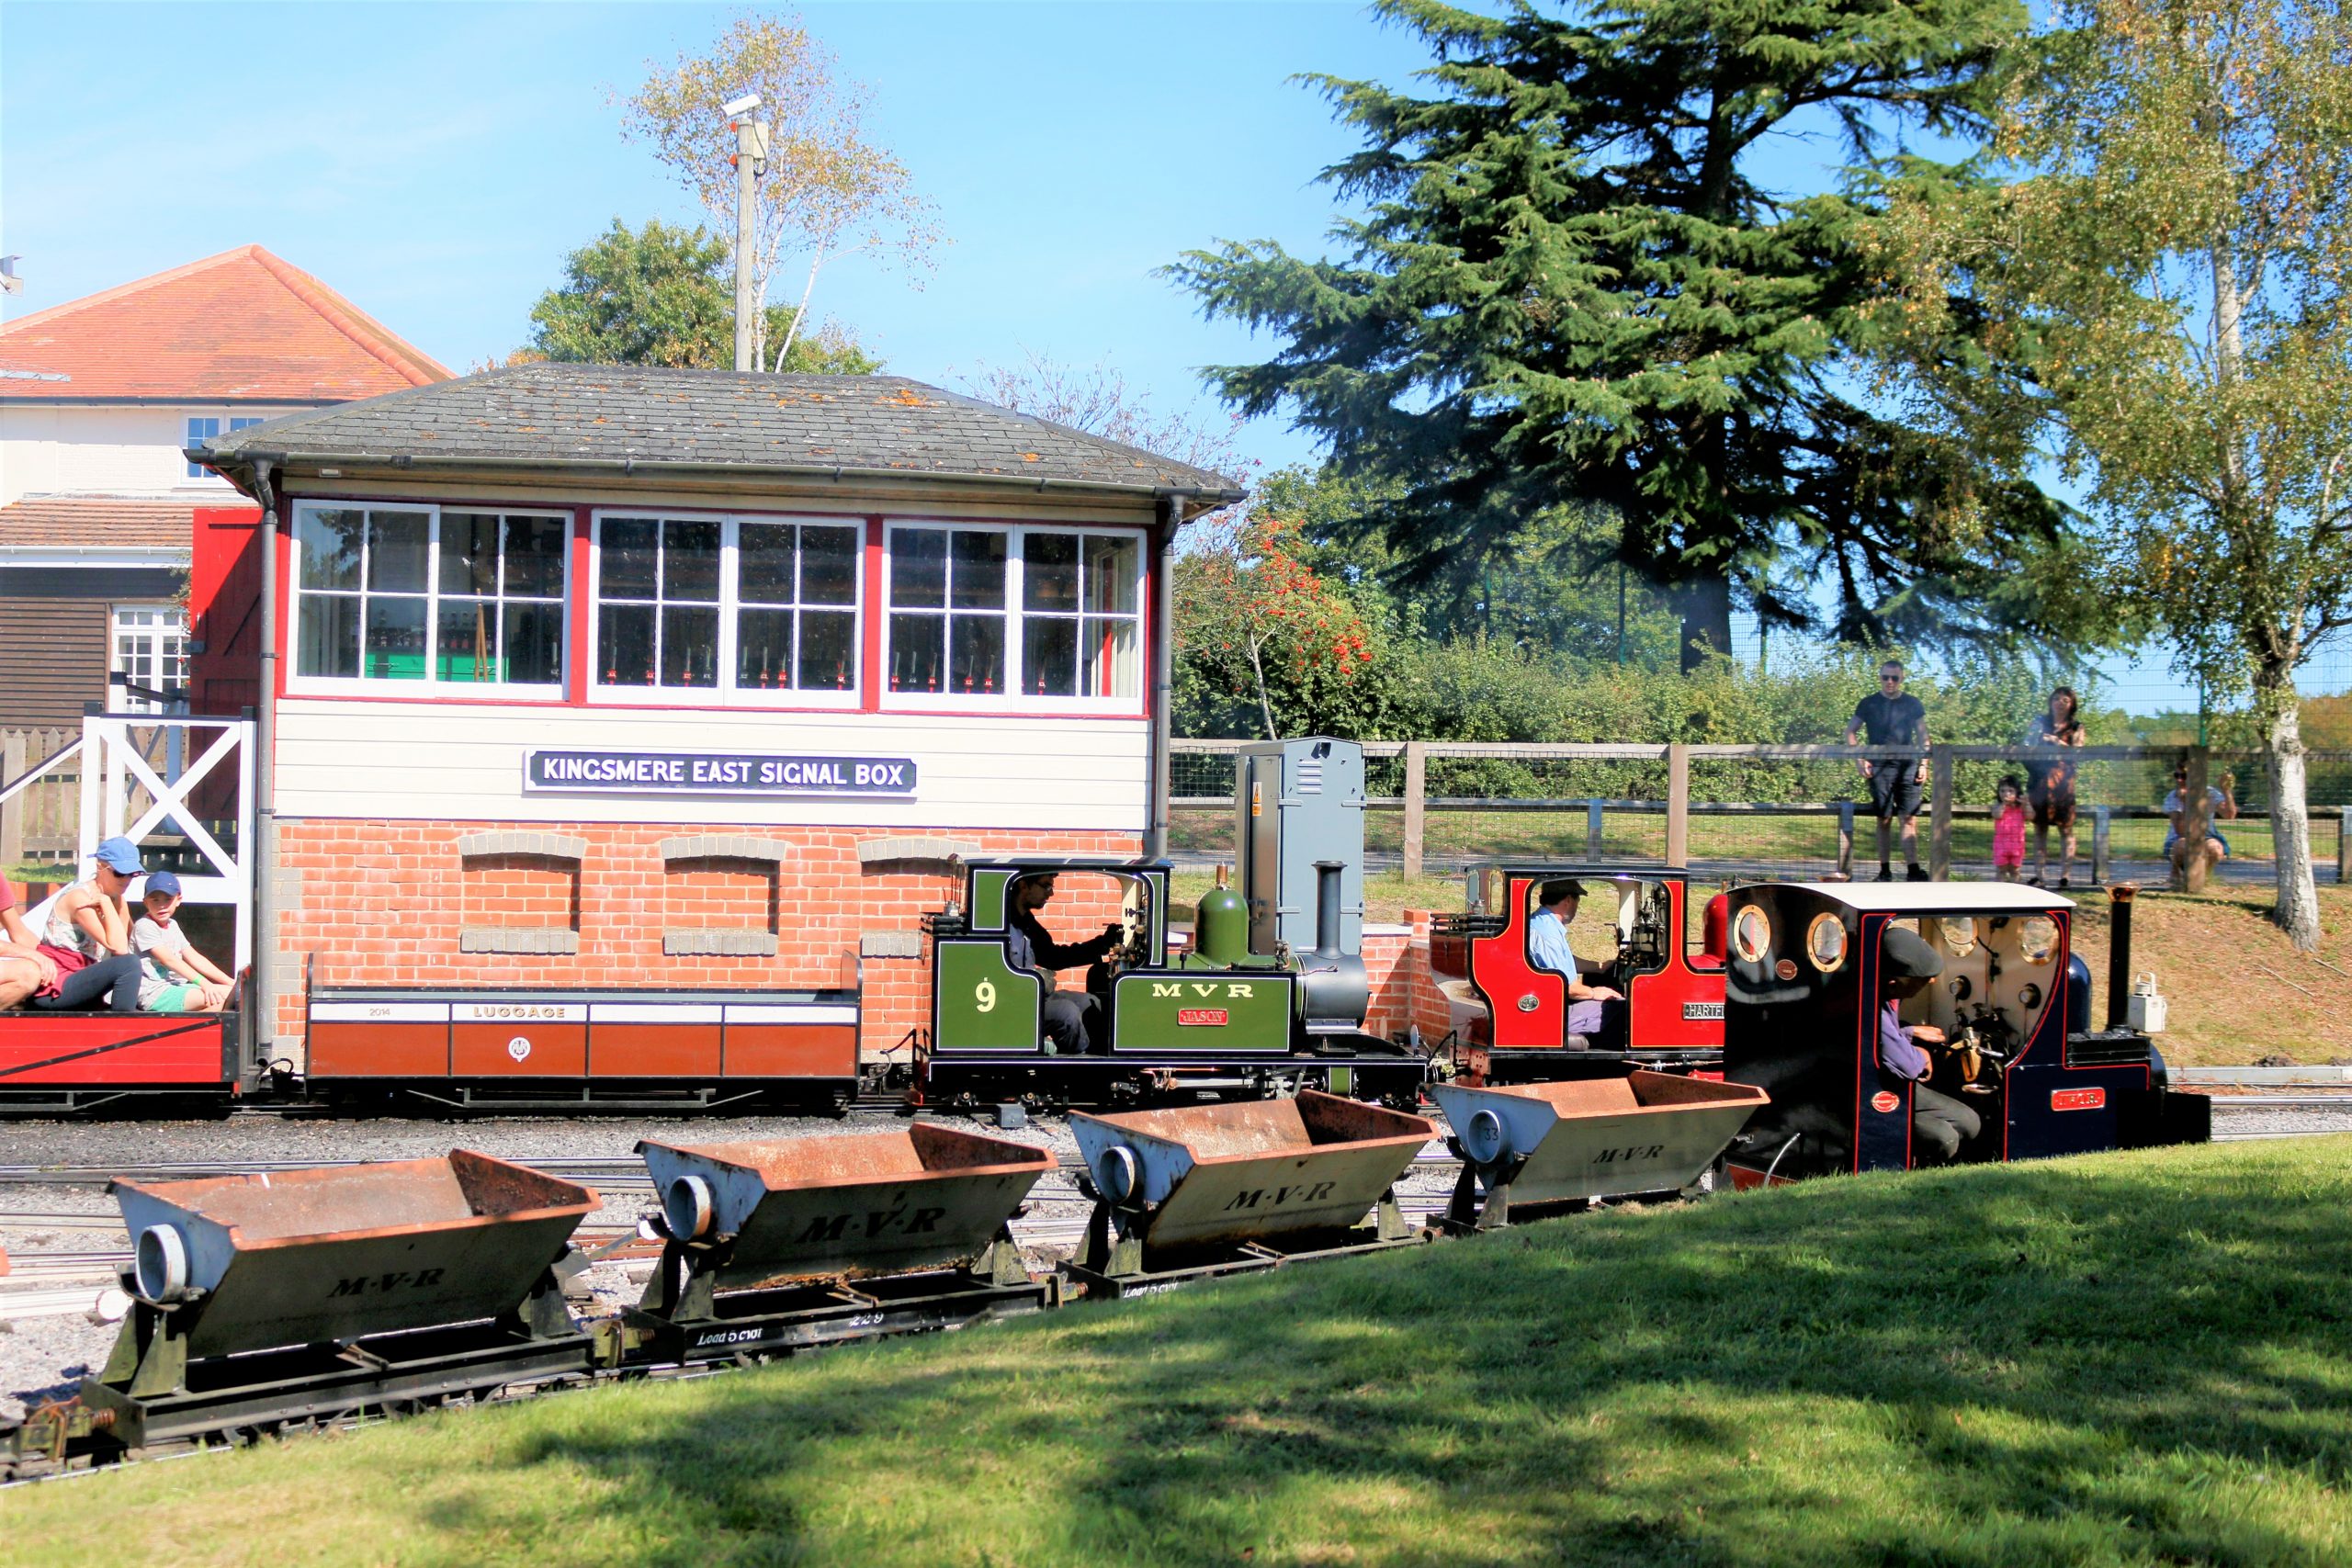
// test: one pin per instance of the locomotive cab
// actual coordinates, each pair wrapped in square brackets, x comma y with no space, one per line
[1809,981]
[1631,935]
[981,1000]
[1222,1020]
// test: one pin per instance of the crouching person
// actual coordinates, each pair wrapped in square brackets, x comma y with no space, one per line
[177,978]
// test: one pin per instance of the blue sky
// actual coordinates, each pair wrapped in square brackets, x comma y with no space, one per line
[436,163]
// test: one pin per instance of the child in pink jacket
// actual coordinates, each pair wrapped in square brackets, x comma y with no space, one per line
[2009,830]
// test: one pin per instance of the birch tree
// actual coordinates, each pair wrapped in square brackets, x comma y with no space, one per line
[2172,261]
[828,190]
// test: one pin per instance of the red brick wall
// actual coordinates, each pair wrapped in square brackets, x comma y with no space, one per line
[381,903]
[718,893]
[520,890]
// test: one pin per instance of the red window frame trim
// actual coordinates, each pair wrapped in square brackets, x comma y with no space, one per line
[577,634]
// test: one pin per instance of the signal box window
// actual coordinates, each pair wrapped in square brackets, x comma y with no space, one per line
[948,611]
[500,616]
[415,595]
[796,622]
[752,611]
[657,602]
[1018,617]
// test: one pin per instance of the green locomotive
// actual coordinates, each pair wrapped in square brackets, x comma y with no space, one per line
[1268,998]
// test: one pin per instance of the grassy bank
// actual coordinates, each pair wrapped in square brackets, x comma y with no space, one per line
[2128,1360]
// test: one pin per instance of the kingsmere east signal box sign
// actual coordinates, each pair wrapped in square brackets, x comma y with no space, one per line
[715,772]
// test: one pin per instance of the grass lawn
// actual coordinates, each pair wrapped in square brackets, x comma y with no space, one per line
[2134,1359]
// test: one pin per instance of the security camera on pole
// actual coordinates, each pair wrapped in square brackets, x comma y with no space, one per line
[750,161]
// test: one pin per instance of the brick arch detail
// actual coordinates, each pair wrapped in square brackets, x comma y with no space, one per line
[552,846]
[725,846]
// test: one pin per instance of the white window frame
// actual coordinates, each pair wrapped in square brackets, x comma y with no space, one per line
[231,422]
[1014,698]
[726,693]
[431,688]
[160,624]
[196,426]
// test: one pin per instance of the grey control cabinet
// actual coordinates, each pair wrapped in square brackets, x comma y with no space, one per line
[1297,802]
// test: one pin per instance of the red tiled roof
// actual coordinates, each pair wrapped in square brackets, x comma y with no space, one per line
[98,521]
[243,324]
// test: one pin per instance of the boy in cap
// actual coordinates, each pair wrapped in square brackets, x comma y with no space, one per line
[88,939]
[1547,947]
[1940,1124]
[177,977]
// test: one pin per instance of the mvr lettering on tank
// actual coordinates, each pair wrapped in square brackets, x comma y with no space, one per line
[878,1222]
[384,1284]
[1235,990]
[1299,1194]
[1627,1155]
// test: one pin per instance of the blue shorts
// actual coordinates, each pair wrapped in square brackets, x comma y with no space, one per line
[2172,837]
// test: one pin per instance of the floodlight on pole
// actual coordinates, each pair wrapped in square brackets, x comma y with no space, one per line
[750,151]
[9,282]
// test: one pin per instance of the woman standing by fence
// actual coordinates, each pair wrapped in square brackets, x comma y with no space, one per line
[2050,786]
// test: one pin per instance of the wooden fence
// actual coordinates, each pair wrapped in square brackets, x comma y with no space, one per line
[1405,767]
[41,822]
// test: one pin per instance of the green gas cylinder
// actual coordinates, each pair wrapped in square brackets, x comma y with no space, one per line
[1221,926]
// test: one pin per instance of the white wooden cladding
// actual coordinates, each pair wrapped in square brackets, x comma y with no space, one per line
[443,762]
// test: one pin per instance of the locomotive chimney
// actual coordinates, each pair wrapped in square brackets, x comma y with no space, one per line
[2118,954]
[1327,907]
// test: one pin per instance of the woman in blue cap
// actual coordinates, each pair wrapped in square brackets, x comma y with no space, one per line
[88,937]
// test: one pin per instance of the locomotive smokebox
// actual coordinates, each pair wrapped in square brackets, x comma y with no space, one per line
[1298,812]
[1336,990]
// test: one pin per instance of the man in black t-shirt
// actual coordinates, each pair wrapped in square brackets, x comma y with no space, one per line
[1892,717]
[1072,1019]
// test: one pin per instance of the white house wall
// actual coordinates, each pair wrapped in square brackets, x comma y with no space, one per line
[454,763]
[109,450]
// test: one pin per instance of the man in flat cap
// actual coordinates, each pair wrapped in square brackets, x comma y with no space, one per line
[1591,1012]
[1940,1124]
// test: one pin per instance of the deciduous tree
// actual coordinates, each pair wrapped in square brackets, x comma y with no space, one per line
[660,296]
[2171,259]
[828,190]
[1575,280]
[1249,609]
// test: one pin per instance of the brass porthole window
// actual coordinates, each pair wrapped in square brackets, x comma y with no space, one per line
[1959,933]
[1824,943]
[1751,934]
[2038,939]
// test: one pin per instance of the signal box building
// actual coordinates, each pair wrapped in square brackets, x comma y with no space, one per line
[594,676]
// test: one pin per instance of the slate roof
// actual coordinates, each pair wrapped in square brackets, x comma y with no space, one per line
[96,523]
[637,417]
[244,325]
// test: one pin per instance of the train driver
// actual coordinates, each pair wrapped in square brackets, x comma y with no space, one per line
[1072,1020]
[1940,1124]
[1597,1012]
